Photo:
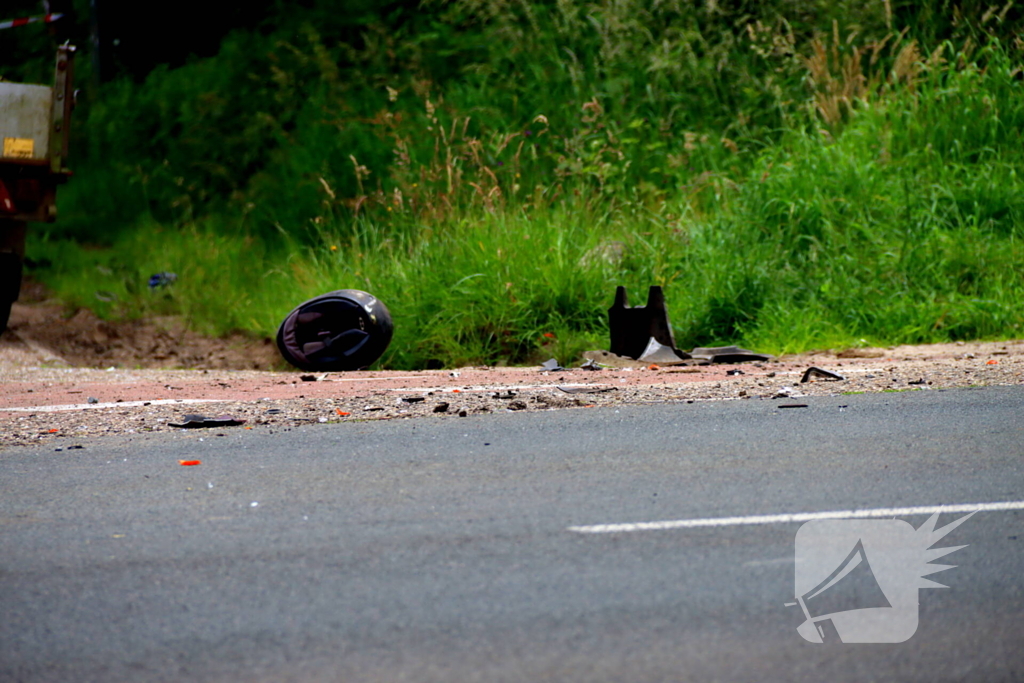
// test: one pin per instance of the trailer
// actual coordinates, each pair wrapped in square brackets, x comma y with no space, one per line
[34,127]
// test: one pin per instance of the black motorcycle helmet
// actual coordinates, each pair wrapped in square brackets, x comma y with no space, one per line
[342,330]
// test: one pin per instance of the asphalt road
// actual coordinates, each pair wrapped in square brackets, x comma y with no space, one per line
[442,550]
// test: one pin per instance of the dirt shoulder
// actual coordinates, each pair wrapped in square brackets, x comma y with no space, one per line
[47,396]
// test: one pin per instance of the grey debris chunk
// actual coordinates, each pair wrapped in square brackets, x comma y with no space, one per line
[661,354]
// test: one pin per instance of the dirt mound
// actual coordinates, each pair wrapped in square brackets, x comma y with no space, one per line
[77,338]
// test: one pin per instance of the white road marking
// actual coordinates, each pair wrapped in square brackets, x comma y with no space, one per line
[789,518]
[497,388]
[122,404]
[770,563]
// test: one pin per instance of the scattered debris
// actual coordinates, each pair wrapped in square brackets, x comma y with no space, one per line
[372,408]
[793,405]
[551,365]
[586,390]
[734,372]
[161,280]
[609,360]
[92,400]
[307,378]
[201,421]
[463,412]
[590,364]
[917,381]
[823,374]
[506,395]
[517,405]
[441,407]
[413,399]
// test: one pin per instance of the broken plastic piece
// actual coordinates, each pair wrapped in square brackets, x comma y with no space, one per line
[818,372]
[656,352]
[590,364]
[190,463]
[200,421]
[551,365]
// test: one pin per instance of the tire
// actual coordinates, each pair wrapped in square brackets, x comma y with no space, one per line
[10,284]
[5,313]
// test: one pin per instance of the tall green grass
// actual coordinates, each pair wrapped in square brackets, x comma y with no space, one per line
[789,188]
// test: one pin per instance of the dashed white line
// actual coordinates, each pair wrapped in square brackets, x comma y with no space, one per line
[789,518]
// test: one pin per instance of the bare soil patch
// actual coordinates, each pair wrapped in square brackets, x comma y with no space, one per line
[77,338]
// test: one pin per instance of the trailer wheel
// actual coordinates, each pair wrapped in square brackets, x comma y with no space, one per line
[10,285]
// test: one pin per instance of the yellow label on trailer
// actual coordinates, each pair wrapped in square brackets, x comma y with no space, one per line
[19,148]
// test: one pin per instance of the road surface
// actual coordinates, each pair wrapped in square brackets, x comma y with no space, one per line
[465,550]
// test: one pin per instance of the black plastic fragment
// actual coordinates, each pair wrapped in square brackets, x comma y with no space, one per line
[823,374]
[632,328]
[727,354]
[201,421]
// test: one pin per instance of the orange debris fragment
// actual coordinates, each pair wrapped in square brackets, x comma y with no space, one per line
[189,463]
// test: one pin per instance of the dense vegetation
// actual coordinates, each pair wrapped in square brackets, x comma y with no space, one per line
[796,174]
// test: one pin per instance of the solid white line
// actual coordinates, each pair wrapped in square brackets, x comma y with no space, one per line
[122,404]
[509,387]
[789,518]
